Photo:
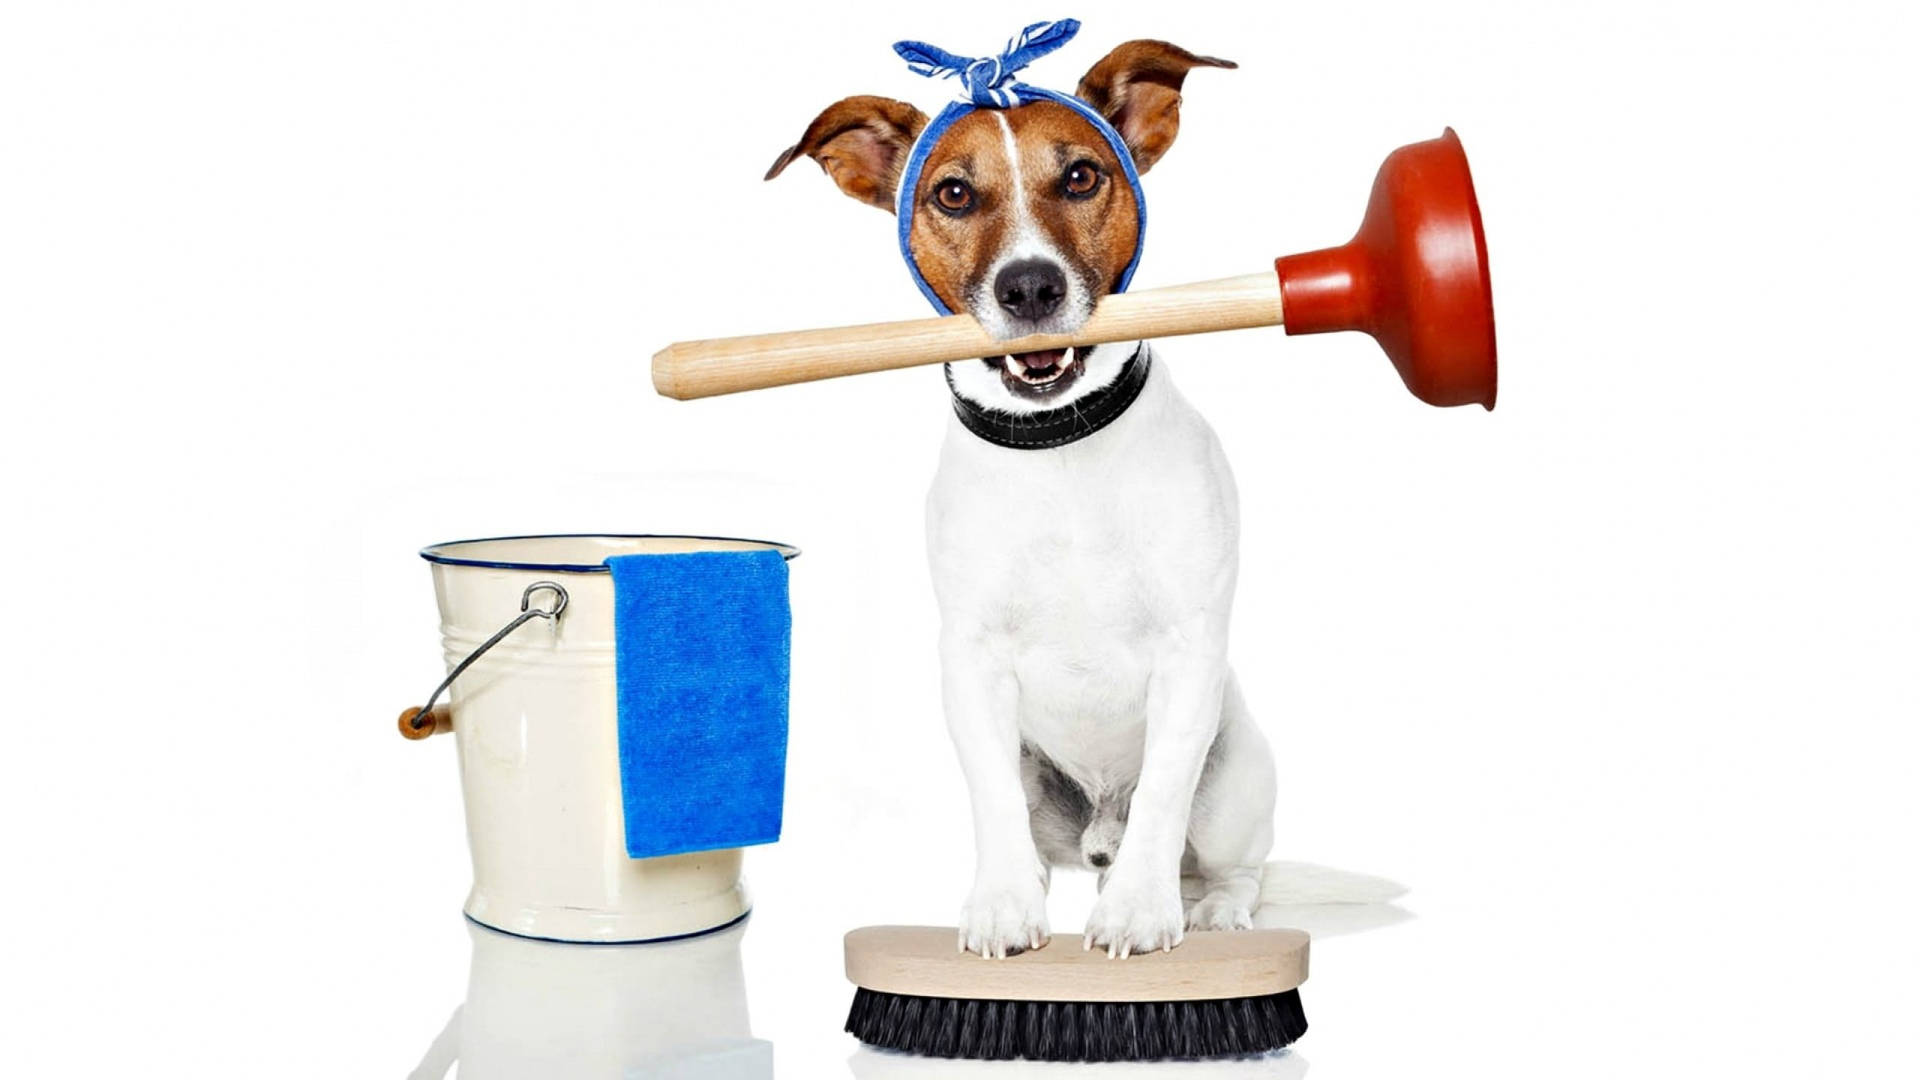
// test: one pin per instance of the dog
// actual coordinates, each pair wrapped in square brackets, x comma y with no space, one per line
[1085,583]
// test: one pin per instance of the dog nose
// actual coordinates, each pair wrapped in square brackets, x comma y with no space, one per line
[1030,288]
[1100,860]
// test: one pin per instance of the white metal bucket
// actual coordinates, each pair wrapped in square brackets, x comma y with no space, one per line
[534,717]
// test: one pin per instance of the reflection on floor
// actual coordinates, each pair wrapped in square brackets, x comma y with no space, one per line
[1329,920]
[544,1009]
[679,1010]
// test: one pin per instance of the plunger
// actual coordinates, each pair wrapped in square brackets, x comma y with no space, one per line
[1414,278]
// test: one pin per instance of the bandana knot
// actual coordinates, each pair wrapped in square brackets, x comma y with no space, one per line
[987,81]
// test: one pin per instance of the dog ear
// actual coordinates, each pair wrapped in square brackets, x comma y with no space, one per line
[1137,88]
[861,142]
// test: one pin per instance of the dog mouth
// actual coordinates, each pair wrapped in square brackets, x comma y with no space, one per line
[1040,374]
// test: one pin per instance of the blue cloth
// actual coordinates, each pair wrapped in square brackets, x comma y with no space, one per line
[701,658]
[984,80]
[987,82]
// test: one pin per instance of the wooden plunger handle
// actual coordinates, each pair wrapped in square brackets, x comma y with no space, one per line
[695,369]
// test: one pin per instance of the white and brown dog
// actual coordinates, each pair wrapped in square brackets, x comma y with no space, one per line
[1083,526]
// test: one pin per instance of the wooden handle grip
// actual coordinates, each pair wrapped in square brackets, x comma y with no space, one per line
[438,722]
[695,369]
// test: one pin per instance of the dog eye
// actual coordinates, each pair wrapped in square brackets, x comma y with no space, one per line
[1082,179]
[953,196]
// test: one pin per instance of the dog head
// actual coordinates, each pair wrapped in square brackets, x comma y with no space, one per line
[1022,217]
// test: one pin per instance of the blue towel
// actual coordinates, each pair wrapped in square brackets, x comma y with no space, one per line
[701,644]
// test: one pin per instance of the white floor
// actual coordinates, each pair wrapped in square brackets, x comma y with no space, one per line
[735,1004]
[1478,987]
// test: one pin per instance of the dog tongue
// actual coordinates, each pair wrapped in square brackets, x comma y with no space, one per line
[1040,361]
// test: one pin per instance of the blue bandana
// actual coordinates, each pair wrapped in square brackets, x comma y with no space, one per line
[986,82]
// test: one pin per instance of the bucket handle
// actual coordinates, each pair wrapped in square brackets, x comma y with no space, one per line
[419,722]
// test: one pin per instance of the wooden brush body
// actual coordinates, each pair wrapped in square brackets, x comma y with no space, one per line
[923,961]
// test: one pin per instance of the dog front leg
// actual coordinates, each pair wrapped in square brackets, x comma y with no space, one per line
[1140,909]
[1006,913]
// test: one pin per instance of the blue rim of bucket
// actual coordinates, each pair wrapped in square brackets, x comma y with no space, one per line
[787,551]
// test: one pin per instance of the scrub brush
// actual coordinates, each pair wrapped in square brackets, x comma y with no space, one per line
[1230,993]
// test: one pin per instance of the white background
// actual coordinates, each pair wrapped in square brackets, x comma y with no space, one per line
[1620,678]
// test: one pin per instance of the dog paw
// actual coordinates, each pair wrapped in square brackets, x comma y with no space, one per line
[1003,919]
[1219,911]
[1135,917]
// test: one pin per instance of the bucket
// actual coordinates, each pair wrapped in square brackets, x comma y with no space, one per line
[527,624]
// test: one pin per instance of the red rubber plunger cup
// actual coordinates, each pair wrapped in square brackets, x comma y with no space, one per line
[1414,277]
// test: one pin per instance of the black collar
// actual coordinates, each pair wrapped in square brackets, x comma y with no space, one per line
[1057,427]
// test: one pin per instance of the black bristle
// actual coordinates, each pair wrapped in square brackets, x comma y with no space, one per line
[945,1027]
[1153,1031]
[987,1035]
[1008,1047]
[1047,1020]
[970,1020]
[1176,1027]
[1076,1031]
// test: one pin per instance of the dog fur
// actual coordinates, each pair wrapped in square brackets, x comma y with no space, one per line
[1085,590]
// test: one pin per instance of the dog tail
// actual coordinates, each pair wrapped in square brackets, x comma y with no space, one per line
[1305,883]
